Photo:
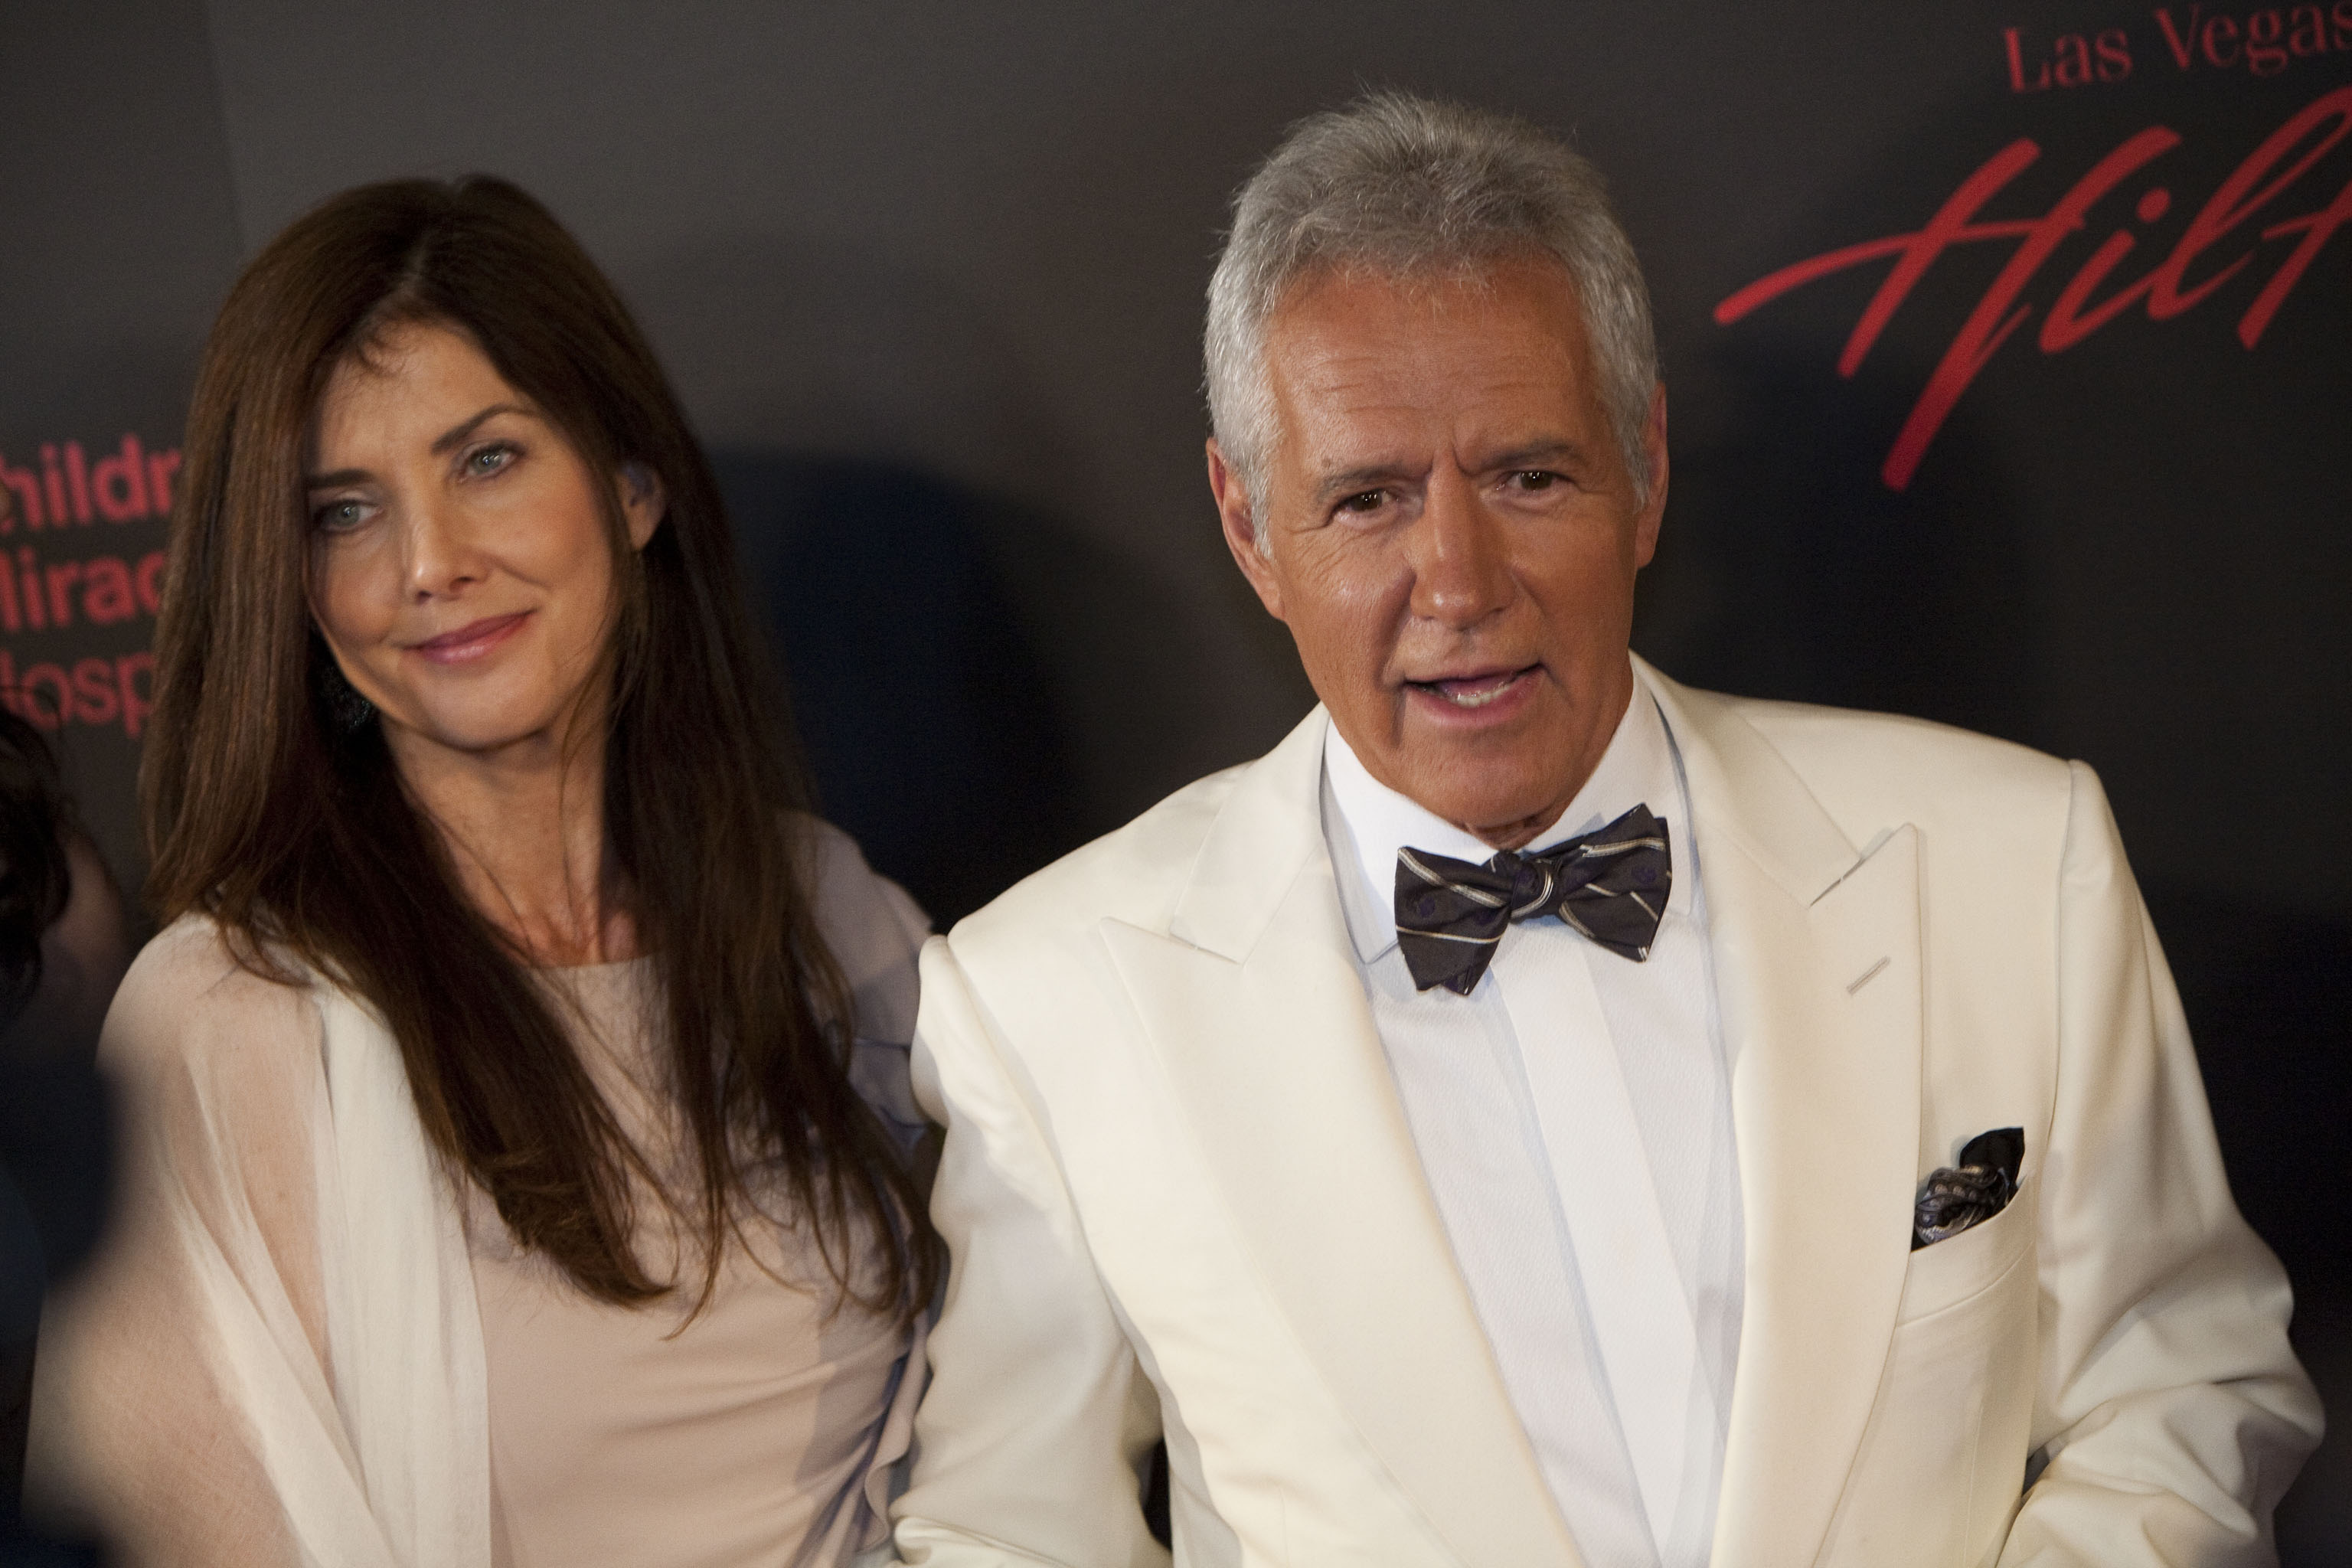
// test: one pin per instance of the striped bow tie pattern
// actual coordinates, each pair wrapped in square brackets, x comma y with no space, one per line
[1609,884]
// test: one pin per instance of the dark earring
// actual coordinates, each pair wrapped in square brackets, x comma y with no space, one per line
[348,713]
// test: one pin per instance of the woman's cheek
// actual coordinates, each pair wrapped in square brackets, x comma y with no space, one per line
[353,592]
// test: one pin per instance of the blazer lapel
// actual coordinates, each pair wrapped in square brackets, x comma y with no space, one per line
[1818,970]
[1258,1016]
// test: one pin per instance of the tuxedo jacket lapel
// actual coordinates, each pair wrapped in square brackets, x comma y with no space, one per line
[1818,972]
[1257,1011]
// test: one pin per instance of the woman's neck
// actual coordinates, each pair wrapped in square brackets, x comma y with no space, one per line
[524,827]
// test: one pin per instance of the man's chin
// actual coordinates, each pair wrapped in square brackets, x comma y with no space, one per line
[1502,805]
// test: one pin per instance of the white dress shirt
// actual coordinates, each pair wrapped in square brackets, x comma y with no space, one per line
[1573,1117]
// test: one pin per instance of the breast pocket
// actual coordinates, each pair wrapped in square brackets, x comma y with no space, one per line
[1942,1463]
[1950,1271]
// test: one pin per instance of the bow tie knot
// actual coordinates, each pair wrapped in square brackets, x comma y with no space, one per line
[1531,883]
[1610,884]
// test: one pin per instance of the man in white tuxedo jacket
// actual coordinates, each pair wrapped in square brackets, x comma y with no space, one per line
[1540,1113]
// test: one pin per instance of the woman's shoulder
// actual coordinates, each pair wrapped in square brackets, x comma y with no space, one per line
[188,995]
[872,928]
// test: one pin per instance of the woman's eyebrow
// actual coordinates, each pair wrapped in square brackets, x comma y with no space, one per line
[454,436]
[457,434]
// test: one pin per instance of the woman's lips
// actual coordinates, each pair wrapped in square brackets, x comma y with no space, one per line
[470,641]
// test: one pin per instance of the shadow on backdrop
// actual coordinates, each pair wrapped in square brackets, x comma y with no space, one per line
[1787,570]
[2268,992]
[932,726]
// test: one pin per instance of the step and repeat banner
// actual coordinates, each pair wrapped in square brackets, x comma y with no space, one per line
[51,584]
[2009,349]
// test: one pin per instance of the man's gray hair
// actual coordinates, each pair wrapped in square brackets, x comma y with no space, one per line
[1399,186]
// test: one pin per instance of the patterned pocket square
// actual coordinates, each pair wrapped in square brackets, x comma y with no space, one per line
[1956,1197]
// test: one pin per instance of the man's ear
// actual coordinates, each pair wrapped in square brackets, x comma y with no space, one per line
[1239,519]
[644,501]
[1653,450]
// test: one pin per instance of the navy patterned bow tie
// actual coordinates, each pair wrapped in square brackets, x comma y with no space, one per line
[1609,884]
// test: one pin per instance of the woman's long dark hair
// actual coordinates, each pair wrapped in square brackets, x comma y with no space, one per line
[296,834]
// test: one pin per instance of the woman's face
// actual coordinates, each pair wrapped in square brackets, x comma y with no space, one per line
[459,567]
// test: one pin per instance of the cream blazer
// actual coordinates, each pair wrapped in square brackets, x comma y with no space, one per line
[1183,1197]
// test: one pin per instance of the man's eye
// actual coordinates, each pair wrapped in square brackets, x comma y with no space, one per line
[1365,500]
[1534,478]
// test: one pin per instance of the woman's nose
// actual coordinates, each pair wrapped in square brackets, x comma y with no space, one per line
[441,556]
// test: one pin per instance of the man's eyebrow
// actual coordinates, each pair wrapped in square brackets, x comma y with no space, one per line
[1350,481]
[1534,455]
[1373,476]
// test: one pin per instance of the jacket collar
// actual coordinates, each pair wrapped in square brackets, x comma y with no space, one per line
[1269,827]
[1743,789]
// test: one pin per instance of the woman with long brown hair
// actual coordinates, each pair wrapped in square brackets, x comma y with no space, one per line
[520,1160]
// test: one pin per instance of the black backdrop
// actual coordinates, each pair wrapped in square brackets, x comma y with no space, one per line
[928,277]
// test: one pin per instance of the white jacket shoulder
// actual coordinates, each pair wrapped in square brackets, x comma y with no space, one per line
[1133,874]
[1917,750]
[1871,771]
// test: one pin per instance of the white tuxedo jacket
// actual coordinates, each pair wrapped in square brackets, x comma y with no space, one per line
[1181,1196]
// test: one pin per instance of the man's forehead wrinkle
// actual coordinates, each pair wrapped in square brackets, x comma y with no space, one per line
[1336,388]
[1384,429]
[1327,357]
[1536,450]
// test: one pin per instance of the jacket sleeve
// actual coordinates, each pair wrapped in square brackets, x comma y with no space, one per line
[2171,1409]
[1028,1442]
[184,1404]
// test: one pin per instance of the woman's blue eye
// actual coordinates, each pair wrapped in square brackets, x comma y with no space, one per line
[490,459]
[339,515]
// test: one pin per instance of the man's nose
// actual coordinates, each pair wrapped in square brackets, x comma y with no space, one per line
[440,553]
[1461,571]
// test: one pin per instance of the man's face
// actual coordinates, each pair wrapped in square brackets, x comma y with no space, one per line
[1451,534]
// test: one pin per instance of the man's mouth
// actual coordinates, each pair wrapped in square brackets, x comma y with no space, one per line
[1473,691]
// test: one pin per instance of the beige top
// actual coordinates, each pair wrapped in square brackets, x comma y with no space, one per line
[763,1432]
[741,1434]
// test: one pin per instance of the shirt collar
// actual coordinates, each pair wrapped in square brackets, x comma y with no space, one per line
[1365,822]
